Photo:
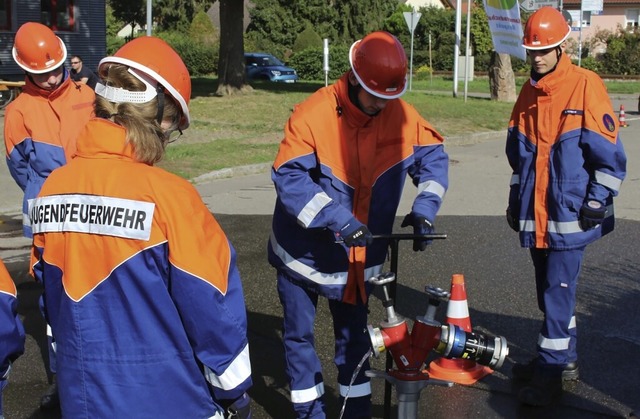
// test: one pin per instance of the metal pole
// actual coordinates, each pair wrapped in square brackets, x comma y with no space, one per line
[456,47]
[393,245]
[430,62]
[325,65]
[466,55]
[149,19]
[413,15]
[580,38]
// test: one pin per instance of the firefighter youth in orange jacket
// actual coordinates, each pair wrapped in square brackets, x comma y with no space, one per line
[11,330]
[141,285]
[339,175]
[42,124]
[568,163]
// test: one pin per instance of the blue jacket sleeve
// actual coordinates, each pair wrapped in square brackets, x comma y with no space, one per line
[297,192]
[11,331]
[430,173]
[602,148]
[206,289]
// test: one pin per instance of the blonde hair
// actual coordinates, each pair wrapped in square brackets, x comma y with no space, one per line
[139,119]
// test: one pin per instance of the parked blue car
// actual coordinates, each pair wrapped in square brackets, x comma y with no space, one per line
[261,66]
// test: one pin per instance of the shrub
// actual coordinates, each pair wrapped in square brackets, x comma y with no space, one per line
[590,63]
[199,57]
[308,63]
[308,38]
[422,73]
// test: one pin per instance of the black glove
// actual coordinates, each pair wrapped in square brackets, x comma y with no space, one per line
[239,408]
[592,214]
[512,220]
[420,226]
[355,234]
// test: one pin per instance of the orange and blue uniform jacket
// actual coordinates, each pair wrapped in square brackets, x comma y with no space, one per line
[40,131]
[564,149]
[336,162]
[11,330]
[141,288]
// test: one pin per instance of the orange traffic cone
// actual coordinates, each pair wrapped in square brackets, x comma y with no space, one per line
[622,120]
[460,371]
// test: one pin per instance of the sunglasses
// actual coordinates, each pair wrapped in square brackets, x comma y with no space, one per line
[75,62]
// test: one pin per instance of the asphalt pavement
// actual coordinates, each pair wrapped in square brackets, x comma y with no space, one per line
[498,279]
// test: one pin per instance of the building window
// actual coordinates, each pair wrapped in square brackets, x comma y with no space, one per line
[575,19]
[632,17]
[586,18]
[5,15]
[57,14]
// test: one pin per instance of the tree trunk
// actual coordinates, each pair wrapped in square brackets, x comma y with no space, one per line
[231,79]
[502,81]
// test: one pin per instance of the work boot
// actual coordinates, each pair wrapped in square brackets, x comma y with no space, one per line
[544,388]
[524,372]
[50,399]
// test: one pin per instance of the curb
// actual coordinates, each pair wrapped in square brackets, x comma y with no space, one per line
[254,169]
[230,172]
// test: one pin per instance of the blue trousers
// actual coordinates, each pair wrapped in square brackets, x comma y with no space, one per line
[557,274]
[302,362]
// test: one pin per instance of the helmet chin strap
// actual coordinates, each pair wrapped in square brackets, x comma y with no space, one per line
[160,93]
[120,95]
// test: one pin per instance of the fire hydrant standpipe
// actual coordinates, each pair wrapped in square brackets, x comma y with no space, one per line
[409,350]
[394,240]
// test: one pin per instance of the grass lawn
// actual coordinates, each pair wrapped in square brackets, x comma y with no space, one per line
[246,129]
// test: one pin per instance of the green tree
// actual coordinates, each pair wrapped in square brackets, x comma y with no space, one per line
[167,15]
[202,29]
[130,12]
[275,24]
[308,38]
[623,53]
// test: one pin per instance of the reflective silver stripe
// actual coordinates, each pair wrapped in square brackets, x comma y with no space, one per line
[564,227]
[608,180]
[26,220]
[218,415]
[235,374]
[515,179]
[433,187]
[358,390]
[312,208]
[572,322]
[528,225]
[457,309]
[308,394]
[336,278]
[561,344]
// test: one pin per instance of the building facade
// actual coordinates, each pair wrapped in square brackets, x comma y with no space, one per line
[81,24]
[615,13]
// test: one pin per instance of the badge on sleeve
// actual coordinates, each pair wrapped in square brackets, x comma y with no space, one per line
[609,122]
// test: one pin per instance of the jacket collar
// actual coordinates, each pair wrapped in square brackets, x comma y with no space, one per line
[34,90]
[552,80]
[348,110]
[102,138]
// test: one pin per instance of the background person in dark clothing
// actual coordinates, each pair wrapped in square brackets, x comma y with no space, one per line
[81,73]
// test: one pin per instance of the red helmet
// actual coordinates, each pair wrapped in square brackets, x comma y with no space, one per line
[380,65]
[159,64]
[546,28]
[37,49]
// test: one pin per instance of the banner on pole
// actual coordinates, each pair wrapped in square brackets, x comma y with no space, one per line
[505,26]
